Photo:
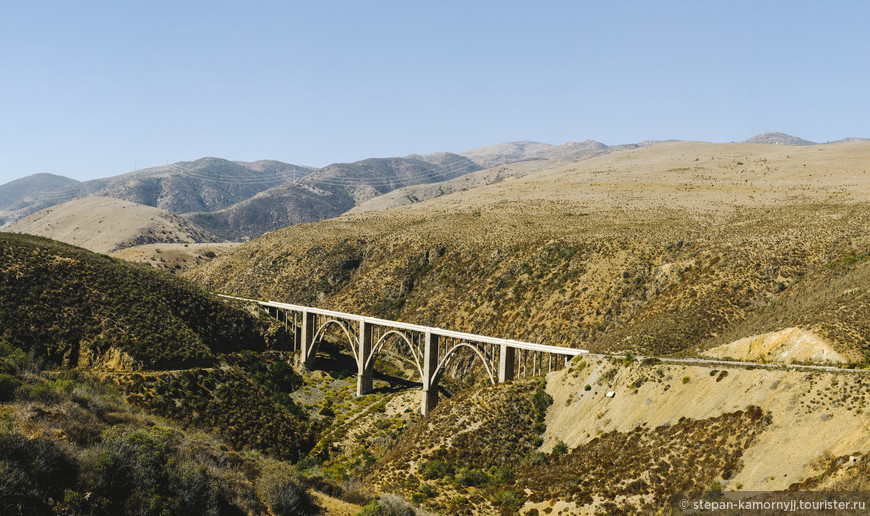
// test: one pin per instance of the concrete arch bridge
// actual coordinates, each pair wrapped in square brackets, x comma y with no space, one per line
[432,349]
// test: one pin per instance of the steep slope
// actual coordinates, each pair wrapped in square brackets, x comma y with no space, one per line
[661,249]
[78,308]
[330,192]
[207,184]
[573,449]
[105,224]
[275,208]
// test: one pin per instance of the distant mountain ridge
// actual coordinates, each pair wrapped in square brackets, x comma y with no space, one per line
[773,138]
[329,192]
[35,185]
[239,200]
[510,152]
[183,187]
[207,184]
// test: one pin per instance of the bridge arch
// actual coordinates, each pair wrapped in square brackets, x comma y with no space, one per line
[452,352]
[370,361]
[322,330]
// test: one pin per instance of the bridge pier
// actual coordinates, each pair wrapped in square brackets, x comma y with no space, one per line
[364,379]
[506,357]
[306,337]
[430,365]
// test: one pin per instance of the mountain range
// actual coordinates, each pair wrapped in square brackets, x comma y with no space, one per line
[237,201]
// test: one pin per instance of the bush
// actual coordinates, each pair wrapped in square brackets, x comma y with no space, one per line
[560,448]
[507,500]
[282,489]
[389,505]
[43,392]
[31,472]
[501,474]
[686,379]
[13,359]
[429,490]
[435,469]
[471,477]
[542,400]
[8,384]
[535,457]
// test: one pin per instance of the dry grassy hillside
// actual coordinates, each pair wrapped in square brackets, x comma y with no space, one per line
[173,257]
[104,224]
[657,250]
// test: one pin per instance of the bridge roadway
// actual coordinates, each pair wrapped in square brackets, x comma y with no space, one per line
[431,348]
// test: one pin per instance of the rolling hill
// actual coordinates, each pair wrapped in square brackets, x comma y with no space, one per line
[105,224]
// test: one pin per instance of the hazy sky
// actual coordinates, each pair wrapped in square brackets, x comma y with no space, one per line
[91,89]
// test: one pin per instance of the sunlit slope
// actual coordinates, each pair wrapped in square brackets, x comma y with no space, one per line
[104,224]
[657,250]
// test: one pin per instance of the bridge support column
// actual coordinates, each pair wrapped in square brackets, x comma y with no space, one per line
[364,379]
[430,365]
[506,357]
[306,338]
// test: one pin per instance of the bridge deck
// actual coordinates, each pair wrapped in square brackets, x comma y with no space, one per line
[529,346]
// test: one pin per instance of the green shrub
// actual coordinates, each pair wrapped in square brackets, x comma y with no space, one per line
[471,477]
[560,448]
[435,469]
[12,359]
[501,474]
[542,400]
[429,490]
[587,387]
[686,379]
[43,392]
[507,499]
[8,385]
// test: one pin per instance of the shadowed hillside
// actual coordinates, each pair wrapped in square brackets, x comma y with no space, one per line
[174,349]
[75,307]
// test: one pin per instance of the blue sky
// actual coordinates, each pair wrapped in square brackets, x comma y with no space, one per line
[91,89]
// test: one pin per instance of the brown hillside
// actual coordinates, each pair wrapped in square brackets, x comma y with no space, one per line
[104,224]
[657,250]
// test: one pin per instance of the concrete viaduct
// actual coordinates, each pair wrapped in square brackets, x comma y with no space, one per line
[432,349]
